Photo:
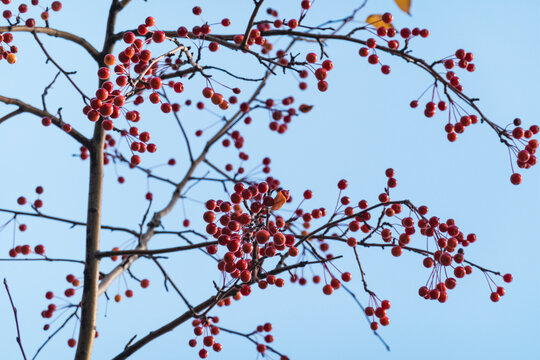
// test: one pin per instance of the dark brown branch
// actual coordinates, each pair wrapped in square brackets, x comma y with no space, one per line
[353,295]
[11,114]
[72,222]
[207,304]
[46,91]
[101,254]
[42,113]
[148,172]
[116,7]
[168,279]
[18,338]
[362,273]
[56,33]
[258,5]
[249,337]
[186,139]
[49,58]
[45,259]
[54,333]
[129,350]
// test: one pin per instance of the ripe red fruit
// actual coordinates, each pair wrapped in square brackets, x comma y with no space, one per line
[346,276]
[262,236]
[311,58]
[507,278]
[197,10]
[328,65]
[515,179]
[363,52]
[293,23]
[328,289]
[72,342]
[373,59]
[322,86]
[145,283]
[56,5]
[305,4]
[159,36]
[39,249]
[387,18]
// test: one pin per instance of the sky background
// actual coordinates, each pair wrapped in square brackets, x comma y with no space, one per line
[358,128]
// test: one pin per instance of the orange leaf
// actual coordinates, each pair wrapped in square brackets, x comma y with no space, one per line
[279,200]
[404,5]
[375,20]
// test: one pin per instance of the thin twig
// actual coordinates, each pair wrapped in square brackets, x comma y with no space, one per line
[18,338]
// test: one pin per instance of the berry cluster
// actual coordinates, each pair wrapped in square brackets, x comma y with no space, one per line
[268,338]
[206,327]
[377,310]
[250,233]
[525,157]
[386,32]
[14,18]
[27,249]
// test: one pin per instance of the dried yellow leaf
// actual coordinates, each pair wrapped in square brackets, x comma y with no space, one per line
[404,5]
[279,200]
[375,20]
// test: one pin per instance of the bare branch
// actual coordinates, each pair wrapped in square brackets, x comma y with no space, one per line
[11,114]
[46,90]
[56,33]
[42,113]
[72,222]
[49,58]
[101,254]
[18,338]
[258,5]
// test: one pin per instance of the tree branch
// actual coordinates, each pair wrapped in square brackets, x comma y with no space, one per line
[56,33]
[101,254]
[42,113]
[18,338]
[49,58]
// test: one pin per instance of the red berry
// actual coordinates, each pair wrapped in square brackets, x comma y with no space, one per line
[387,18]
[515,179]
[328,289]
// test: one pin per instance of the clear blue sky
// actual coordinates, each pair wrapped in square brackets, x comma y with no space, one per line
[356,130]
